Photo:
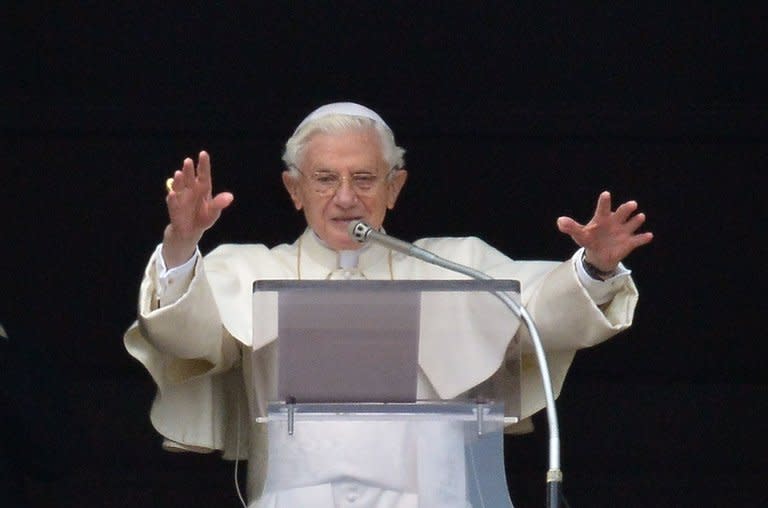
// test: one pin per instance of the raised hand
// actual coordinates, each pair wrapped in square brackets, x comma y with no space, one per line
[609,236]
[192,209]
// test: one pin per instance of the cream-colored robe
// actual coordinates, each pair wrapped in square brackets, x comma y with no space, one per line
[192,348]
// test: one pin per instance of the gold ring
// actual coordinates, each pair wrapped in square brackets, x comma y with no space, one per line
[169,184]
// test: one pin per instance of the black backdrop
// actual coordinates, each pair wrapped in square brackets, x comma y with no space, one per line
[511,117]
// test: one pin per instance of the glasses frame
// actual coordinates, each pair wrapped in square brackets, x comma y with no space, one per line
[333,189]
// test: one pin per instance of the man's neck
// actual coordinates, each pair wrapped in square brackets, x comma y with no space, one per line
[347,259]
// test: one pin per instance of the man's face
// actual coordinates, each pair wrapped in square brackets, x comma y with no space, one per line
[346,153]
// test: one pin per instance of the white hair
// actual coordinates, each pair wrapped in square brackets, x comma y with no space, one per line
[336,123]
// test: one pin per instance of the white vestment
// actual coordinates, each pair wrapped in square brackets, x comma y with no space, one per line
[192,348]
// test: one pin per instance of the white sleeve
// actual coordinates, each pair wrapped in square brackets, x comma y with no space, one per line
[172,284]
[601,291]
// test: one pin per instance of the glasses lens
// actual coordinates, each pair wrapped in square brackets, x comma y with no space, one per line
[325,182]
[328,182]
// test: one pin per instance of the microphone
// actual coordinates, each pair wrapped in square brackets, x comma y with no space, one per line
[362,232]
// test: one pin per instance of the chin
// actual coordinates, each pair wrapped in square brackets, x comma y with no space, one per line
[337,238]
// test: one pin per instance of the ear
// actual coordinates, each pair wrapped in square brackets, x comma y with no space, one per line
[394,186]
[291,184]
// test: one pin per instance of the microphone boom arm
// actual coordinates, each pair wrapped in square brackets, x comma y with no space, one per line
[362,232]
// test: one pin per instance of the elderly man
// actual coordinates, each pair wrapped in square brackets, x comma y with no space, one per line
[342,165]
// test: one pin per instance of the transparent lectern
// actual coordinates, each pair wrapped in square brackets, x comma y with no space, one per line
[353,417]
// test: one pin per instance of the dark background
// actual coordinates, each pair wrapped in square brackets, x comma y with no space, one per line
[512,116]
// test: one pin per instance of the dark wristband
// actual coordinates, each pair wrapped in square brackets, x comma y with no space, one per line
[594,271]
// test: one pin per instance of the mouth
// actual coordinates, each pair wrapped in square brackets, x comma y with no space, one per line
[346,220]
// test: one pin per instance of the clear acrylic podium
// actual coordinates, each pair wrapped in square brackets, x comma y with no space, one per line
[348,424]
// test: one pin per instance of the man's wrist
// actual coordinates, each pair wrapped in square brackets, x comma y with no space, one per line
[595,272]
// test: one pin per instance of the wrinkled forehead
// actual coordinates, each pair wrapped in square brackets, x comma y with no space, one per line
[350,148]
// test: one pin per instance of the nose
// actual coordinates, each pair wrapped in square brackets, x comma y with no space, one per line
[345,195]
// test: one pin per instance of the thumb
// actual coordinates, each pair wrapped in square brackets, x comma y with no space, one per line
[223,200]
[567,225]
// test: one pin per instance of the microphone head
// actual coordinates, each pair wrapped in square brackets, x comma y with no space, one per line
[358,231]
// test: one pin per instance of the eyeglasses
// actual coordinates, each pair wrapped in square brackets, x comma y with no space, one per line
[327,183]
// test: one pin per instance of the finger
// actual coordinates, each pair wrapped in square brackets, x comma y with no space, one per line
[624,211]
[172,198]
[204,168]
[603,207]
[640,240]
[175,185]
[188,170]
[634,223]
[178,181]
